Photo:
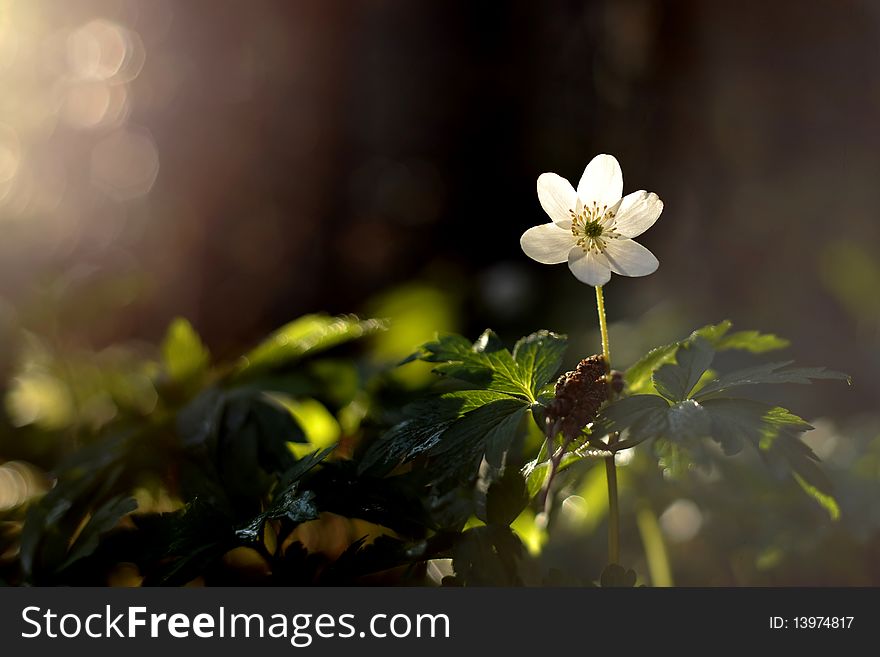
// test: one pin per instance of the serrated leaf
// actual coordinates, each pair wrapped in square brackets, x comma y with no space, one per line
[184,355]
[290,504]
[483,364]
[539,357]
[711,333]
[385,552]
[504,500]
[783,444]
[493,425]
[687,420]
[738,421]
[488,343]
[479,424]
[676,380]
[299,469]
[104,518]
[426,421]
[536,471]
[394,502]
[642,416]
[768,373]
[488,556]
[616,576]
[303,337]
[825,500]
[638,377]
[243,437]
[775,432]
[752,341]
[183,544]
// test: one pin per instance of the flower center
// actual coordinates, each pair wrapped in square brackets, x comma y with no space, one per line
[592,227]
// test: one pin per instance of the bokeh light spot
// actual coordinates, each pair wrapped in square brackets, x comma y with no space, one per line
[125,164]
[101,50]
[10,153]
[681,520]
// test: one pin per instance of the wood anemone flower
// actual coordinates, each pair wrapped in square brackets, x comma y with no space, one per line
[592,228]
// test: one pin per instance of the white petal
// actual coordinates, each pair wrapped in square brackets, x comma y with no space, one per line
[547,243]
[630,258]
[557,197]
[590,268]
[602,182]
[637,213]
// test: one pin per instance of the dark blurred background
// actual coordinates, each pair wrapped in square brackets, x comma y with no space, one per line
[241,164]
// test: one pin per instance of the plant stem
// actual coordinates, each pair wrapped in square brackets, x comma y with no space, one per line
[610,465]
[603,326]
[613,512]
[655,547]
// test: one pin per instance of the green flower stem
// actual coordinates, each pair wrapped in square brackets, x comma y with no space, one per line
[610,465]
[655,547]
[613,511]
[603,326]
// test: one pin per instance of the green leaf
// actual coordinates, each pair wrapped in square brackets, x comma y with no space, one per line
[687,421]
[539,357]
[303,466]
[675,381]
[291,505]
[488,556]
[768,373]
[825,500]
[385,552]
[243,437]
[650,417]
[426,421]
[483,364]
[490,428]
[459,427]
[751,341]
[535,473]
[616,576]
[730,422]
[86,480]
[488,343]
[184,356]
[738,421]
[105,518]
[643,416]
[395,502]
[638,377]
[182,545]
[505,499]
[303,337]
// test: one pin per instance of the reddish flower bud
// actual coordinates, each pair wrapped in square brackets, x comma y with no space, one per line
[579,394]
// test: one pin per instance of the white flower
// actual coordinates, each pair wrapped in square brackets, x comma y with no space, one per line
[592,228]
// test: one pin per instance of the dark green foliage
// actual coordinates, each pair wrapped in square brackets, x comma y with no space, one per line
[456,430]
[303,337]
[177,547]
[487,365]
[221,468]
[393,502]
[293,507]
[487,556]
[616,576]
[689,407]
[718,337]
[675,381]
[242,436]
